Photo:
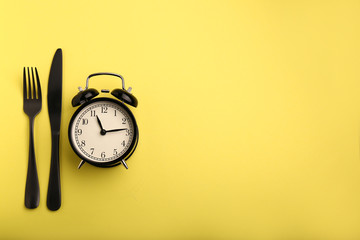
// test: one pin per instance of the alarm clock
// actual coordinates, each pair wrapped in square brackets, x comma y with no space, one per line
[103,131]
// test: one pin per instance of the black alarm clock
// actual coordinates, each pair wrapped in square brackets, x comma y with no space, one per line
[103,131]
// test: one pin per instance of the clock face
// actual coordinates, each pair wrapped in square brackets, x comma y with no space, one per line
[102,131]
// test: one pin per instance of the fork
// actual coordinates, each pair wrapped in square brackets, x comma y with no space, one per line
[32,106]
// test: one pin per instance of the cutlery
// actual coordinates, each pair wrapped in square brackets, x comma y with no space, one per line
[54,107]
[32,106]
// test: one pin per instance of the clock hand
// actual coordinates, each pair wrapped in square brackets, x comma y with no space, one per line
[98,119]
[103,131]
[116,130]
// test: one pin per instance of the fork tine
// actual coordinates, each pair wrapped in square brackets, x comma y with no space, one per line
[33,83]
[24,85]
[38,84]
[29,85]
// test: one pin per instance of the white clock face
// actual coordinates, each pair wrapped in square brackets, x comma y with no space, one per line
[102,131]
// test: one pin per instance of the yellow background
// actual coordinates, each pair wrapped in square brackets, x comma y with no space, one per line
[249,115]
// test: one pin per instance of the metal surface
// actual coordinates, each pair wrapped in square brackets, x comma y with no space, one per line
[32,106]
[124,163]
[54,108]
[55,92]
[105,73]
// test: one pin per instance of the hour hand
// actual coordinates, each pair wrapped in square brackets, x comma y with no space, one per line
[102,131]
[98,119]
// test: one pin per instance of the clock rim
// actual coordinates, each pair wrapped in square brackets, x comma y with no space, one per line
[128,152]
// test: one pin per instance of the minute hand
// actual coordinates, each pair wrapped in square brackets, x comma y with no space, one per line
[116,130]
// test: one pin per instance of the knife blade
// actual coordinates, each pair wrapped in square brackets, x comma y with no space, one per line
[54,98]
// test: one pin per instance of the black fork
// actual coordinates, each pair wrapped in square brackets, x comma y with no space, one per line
[32,106]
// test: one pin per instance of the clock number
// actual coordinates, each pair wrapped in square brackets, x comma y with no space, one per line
[92,150]
[79,132]
[115,113]
[92,113]
[124,121]
[123,143]
[103,154]
[83,143]
[115,151]
[127,132]
[85,121]
[104,109]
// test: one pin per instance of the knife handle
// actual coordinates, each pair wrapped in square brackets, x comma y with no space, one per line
[54,193]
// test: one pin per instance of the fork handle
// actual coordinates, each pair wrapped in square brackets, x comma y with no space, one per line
[54,191]
[32,191]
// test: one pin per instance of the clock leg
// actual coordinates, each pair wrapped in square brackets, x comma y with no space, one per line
[124,163]
[81,163]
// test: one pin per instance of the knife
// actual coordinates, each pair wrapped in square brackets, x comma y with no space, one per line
[54,107]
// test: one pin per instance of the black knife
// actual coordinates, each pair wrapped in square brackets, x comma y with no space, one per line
[54,107]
